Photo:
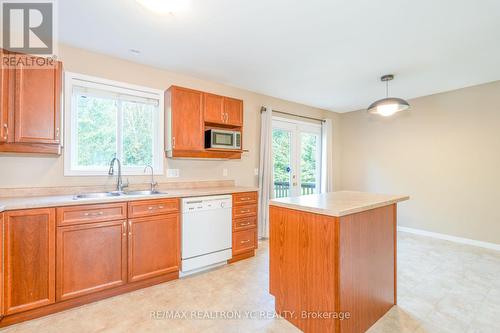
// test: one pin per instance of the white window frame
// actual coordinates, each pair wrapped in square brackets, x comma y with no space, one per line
[296,127]
[70,139]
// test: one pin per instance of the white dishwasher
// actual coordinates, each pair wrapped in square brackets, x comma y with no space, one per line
[206,233]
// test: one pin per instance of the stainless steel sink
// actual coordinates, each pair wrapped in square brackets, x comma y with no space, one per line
[97,195]
[144,192]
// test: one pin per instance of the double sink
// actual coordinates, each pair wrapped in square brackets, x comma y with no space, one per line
[97,195]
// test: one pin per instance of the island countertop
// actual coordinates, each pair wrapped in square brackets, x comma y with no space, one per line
[339,203]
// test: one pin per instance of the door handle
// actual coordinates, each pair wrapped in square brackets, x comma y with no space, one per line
[6,134]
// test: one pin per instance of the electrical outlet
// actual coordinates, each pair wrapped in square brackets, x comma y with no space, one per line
[256,171]
[224,172]
[173,173]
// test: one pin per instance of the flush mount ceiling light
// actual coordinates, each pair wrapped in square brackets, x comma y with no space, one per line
[165,6]
[389,105]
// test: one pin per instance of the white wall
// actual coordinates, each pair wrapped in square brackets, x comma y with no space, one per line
[444,153]
[43,171]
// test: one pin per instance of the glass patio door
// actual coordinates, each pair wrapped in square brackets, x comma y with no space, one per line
[296,158]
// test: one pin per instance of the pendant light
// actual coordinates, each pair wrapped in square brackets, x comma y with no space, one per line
[389,105]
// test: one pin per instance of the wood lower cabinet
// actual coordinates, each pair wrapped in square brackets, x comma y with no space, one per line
[245,240]
[153,246]
[91,257]
[29,259]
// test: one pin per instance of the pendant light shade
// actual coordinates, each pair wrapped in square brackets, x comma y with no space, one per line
[390,105]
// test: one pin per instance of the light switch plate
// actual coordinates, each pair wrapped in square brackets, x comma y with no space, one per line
[256,171]
[224,172]
[173,173]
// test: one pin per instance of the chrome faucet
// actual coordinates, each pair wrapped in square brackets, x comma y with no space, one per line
[153,183]
[119,183]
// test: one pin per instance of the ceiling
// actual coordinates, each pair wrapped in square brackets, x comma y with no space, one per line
[328,54]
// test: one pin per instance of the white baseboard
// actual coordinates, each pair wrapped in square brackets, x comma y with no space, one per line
[486,245]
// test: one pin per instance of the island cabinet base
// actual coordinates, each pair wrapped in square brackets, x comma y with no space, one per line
[333,274]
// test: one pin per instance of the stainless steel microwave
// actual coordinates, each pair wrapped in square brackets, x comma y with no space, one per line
[221,139]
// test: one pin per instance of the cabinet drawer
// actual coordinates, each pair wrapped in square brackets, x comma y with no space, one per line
[244,241]
[244,211]
[244,198]
[91,213]
[245,223]
[152,207]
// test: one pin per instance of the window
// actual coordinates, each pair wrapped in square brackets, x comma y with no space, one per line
[106,119]
[296,157]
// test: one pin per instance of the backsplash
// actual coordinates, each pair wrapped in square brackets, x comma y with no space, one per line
[68,190]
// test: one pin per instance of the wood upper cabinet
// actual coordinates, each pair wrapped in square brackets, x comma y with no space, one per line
[222,110]
[233,108]
[213,106]
[37,104]
[188,113]
[30,114]
[184,119]
[5,102]
[91,257]
[29,254]
[153,246]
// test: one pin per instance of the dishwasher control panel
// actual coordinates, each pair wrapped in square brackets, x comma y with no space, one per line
[206,203]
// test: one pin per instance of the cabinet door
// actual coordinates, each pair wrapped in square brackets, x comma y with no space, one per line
[213,106]
[153,246]
[90,258]
[5,102]
[29,250]
[187,119]
[234,111]
[37,104]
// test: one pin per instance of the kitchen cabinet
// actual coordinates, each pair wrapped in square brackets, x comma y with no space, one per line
[185,129]
[31,108]
[233,109]
[220,110]
[153,246]
[189,113]
[245,207]
[29,259]
[5,107]
[213,106]
[91,257]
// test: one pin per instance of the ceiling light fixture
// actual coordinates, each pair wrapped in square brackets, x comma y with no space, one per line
[165,6]
[389,105]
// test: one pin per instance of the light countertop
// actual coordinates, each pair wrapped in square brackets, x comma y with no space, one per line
[338,203]
[68,200]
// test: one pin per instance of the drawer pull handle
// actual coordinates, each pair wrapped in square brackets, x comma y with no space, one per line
[94,214]
[151,208]
[245,241]
[161,207]
[245,199]
[244,224]
[245,211]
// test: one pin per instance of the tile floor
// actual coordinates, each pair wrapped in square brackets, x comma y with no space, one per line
[443,287]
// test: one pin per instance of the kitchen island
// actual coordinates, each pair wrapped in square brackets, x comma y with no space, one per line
[333,259]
